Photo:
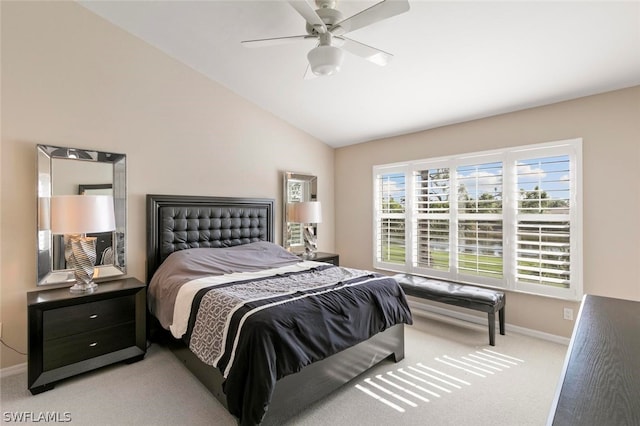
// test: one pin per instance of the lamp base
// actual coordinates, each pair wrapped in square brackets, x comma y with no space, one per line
[308,255]
[310,242]
[83,287]
[80,254]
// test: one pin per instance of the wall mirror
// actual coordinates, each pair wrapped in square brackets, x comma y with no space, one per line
[297,187]
[68,171]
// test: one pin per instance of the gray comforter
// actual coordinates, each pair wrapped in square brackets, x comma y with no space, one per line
[187,265]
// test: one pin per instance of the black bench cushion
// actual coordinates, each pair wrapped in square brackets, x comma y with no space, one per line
[480,299]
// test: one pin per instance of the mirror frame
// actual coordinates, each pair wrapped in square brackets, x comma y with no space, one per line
[45,241]
[308,192]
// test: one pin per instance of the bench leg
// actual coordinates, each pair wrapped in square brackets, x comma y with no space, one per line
[492,328]
[501,319]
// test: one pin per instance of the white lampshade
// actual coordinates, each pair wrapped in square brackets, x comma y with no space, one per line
[82,214]
[305,212]
[325,60]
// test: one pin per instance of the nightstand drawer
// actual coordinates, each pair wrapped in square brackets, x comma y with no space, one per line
[76,319]
[78,347]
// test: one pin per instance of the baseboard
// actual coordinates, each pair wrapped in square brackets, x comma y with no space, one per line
[13,370]
[426,310]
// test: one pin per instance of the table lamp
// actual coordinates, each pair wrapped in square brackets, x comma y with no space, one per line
[74,216]
[307,213]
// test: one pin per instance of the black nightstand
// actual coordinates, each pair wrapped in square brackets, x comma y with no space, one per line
[327,257]
[72,333]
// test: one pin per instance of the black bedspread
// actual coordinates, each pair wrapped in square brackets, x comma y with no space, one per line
[270,337]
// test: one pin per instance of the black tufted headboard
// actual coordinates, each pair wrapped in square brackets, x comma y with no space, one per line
[178,222]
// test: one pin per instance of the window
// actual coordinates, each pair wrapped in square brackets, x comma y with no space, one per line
[391,190]
[508,218]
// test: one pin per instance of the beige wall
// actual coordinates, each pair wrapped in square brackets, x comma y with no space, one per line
[70,78]
[609,125]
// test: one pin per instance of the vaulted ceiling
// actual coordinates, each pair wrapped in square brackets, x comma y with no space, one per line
[453,61]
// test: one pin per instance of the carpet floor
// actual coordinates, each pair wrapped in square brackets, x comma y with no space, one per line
[450,376]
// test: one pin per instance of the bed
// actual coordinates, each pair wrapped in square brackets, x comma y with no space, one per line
[275,353]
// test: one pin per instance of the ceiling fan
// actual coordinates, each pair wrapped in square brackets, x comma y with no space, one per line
[328,25]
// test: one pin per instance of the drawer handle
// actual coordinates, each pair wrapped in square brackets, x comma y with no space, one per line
[94,316]
[94,344]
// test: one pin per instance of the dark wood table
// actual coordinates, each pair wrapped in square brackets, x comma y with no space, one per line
[600,382]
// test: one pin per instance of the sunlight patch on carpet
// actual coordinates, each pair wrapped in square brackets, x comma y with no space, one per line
[412,385]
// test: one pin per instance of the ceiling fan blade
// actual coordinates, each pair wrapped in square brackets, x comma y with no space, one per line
[371,54]
[309,14]
[264,42]
[379,11]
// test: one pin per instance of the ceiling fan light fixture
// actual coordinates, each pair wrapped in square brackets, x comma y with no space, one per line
[325,60]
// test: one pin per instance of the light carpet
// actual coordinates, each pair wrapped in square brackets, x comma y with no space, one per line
[450,376]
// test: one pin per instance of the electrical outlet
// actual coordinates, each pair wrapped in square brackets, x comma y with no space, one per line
[568,314]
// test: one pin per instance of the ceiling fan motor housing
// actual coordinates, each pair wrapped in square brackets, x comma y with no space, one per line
[329,16]
[321,4]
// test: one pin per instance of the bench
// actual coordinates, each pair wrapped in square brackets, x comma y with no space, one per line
[479,299]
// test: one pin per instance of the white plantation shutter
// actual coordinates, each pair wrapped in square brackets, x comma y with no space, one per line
[509,218]
[432,244]
[390,218]
[543,253]
[543,236]
[431,197]
[480,248]
[480,229]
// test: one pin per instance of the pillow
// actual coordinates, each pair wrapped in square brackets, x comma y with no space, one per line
[200,262]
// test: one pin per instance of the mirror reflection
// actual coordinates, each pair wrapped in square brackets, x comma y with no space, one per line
[68,171]
[297,188]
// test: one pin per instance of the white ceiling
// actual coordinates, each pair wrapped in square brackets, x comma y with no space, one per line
[453,61]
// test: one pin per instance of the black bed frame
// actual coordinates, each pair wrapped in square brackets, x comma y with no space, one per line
[192,228]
